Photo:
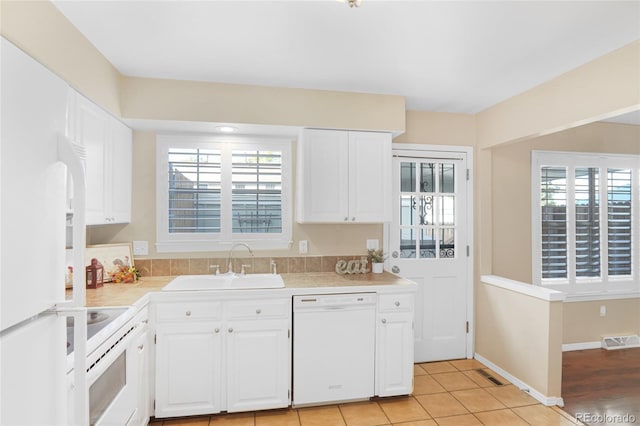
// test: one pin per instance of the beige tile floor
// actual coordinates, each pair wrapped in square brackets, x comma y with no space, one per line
[445,393]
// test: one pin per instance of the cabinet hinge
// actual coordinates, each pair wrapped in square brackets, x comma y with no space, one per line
[289,334]
[154,405]
[468,251]
[289,394]
[467,327]
[467,174]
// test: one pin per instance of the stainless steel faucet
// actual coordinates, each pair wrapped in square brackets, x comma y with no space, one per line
[230,258]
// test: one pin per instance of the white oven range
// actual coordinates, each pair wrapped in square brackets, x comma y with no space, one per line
[115,347]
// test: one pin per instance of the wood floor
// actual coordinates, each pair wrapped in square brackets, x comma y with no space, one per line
[598,382]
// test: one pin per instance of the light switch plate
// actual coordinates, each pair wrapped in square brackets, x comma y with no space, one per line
[303,247]
[141,248]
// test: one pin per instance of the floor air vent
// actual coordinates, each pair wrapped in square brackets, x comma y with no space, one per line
[490,377]
[621,342]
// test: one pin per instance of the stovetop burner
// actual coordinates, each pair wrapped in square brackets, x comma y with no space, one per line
[97,320]
[95,317]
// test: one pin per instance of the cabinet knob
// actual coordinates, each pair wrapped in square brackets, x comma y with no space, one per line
[217,330]
[384,320]
[258,311]
[397,303]
[353,218]
[188,313]
[230,329]
[141,347]
[346,219]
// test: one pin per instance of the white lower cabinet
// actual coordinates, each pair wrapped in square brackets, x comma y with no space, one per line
[394,345]
[188,369]
[258,350]
[222,356]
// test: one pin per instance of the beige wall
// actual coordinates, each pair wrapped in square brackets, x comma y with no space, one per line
[511,187]
[605,87]
[516,332]
[583,323]
[38,28]
[156,99]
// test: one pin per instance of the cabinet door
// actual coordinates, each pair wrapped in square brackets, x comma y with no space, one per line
[188,369]
[369,177]
[258,364]
[322,176]
[91,129]
[120,165]
[394,354]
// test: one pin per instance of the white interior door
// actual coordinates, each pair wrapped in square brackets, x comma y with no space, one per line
[428,242]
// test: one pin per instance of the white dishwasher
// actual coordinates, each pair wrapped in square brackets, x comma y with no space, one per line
[333,347]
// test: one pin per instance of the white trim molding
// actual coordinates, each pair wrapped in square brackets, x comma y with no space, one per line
[539,396]
[536,291]
[448,152]
[568,347]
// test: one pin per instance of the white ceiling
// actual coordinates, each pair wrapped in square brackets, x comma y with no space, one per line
[449,56]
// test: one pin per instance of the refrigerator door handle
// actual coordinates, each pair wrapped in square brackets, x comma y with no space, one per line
[74,156]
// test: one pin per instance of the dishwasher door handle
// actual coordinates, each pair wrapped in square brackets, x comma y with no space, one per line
[333,307]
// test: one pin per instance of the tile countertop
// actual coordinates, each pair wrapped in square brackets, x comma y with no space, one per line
[130,294]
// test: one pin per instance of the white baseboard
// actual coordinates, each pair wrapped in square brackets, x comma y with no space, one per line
[546,400]
[567,347]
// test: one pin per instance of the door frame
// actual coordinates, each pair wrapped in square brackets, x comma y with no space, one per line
[433,150]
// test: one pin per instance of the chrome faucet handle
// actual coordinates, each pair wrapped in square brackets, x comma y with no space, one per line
[242,271]
[216,267]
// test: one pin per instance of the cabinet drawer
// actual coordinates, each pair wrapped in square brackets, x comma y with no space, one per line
[189,311]
[395,302]
[279,308]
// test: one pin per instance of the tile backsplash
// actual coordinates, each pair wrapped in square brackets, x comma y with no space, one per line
[199,266]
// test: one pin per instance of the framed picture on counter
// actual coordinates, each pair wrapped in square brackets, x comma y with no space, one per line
[116,259]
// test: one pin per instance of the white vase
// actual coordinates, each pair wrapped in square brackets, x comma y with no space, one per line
[377,268]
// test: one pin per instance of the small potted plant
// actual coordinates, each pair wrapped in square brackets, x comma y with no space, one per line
[377,260]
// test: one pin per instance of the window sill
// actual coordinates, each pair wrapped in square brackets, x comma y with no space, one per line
[610,295]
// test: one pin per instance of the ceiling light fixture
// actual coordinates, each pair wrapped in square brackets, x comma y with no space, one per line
[226,129]
[352,3]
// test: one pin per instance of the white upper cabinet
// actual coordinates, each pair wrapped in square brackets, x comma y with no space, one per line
[108,144]
[343,176]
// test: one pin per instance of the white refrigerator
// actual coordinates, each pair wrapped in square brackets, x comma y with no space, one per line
[35,162]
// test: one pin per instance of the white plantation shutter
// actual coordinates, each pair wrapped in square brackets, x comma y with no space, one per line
[585,222]
[212,193]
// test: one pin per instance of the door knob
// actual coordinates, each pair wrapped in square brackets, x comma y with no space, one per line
[394,254]
[395,269]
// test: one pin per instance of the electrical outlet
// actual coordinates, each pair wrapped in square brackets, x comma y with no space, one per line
[373,244]
[303,247]
[141,248]
[603,310]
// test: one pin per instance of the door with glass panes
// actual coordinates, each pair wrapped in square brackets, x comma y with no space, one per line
[428,244]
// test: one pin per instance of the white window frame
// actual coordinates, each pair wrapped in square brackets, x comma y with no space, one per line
[572,285]
[195,242]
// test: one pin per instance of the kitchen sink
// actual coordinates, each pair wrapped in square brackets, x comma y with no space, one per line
[224,282]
